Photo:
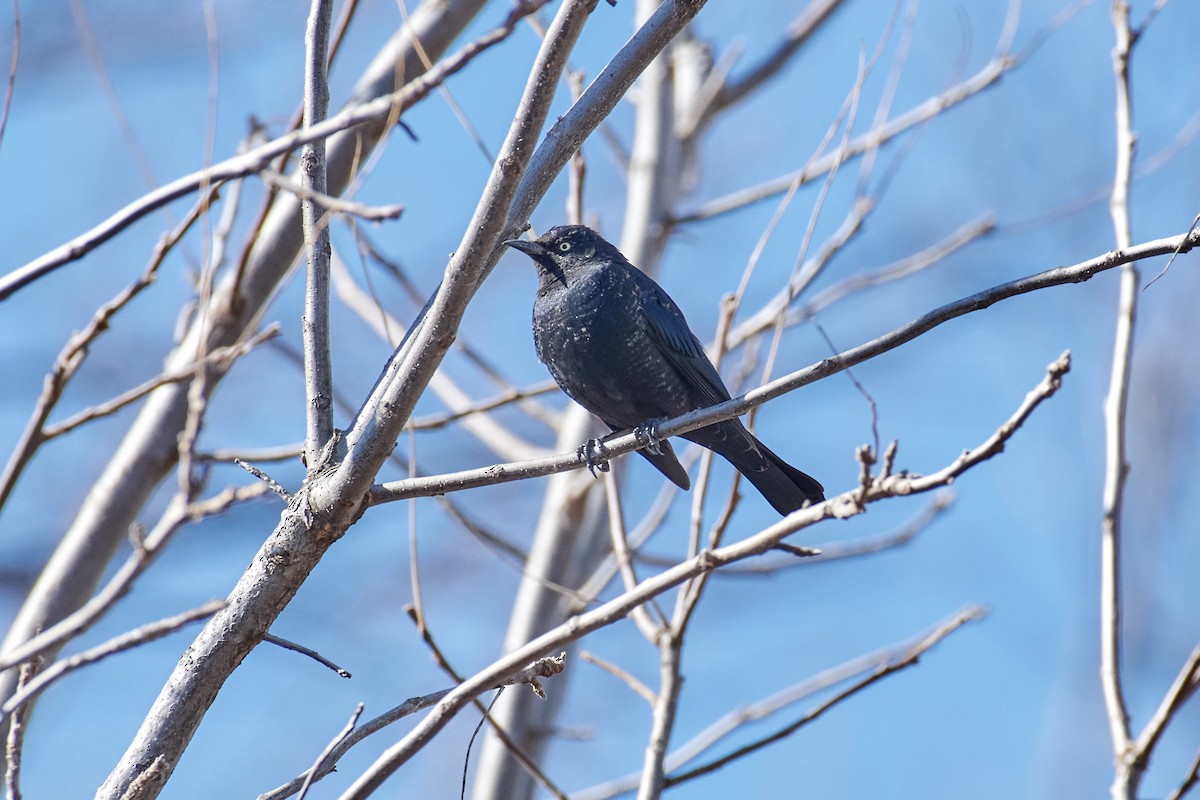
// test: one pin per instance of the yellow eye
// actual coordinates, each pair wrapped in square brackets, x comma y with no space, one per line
[564,247]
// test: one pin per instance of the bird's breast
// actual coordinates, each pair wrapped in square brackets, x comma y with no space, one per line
[592,338]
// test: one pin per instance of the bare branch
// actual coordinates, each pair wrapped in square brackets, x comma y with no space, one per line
[514,395]
[285,452]
[496,437]
[118,644]
[76,350]
[288,644]
[872,140]
[666,706]
[541,668]
[329,762]
[250,162]
[735,720]
[1185,686]
[730,91]
[332,499]
[626,443]
[906,660]
[270,482]
[849,504]
[318,365]
[921,260]
[838,551]
[650,629]
[330,203]
[1189,782]
[176,515]
[637,687]
[12,68]
[1128,765]
[324,757]
[14,742]
[222,356]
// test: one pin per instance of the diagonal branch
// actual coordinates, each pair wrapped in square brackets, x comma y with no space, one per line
[904,661]
[731,91]
[1185,685]
[627,443]
[381,108]
[873,139]
[75,351]
[126,641]
[851,503]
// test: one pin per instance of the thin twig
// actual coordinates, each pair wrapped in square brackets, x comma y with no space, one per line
[118,644]
[14,742]
[271,483]
[512,395]
[324,757]
[650,629]
[474,417]
[288,644]
[903,268]
[1189,781]
[732,91]
[914,117]
[542,668]
[177,514]
[1128,765]
[727,725]
[222,357]
[329,202]
[903,662]
[1184,686]
[286,452]
[11,84]
[73,354]
[838,551]
[637,687]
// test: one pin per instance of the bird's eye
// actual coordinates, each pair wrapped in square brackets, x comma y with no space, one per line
[564,247]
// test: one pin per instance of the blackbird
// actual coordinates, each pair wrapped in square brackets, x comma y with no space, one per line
[619,346]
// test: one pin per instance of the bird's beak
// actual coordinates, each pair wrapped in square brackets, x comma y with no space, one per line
[529,248]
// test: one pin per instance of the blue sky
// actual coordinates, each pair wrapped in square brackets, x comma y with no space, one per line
[1007,707]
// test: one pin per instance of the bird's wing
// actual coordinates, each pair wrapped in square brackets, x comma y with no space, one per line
[679,346]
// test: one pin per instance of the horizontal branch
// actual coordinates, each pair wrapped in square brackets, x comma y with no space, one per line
[626,443]
[330,203]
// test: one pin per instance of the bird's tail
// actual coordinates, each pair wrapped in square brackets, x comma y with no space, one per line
[784,487]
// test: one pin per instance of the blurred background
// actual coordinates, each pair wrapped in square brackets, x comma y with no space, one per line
[113,98]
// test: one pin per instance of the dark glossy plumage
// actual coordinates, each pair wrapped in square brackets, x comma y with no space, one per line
[619,346]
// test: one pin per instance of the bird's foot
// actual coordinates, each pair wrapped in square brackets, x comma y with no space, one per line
[593,455]
[648,438]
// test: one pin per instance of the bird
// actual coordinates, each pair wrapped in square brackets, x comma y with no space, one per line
[618,345]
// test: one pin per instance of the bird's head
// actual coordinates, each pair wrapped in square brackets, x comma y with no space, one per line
[566,250]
